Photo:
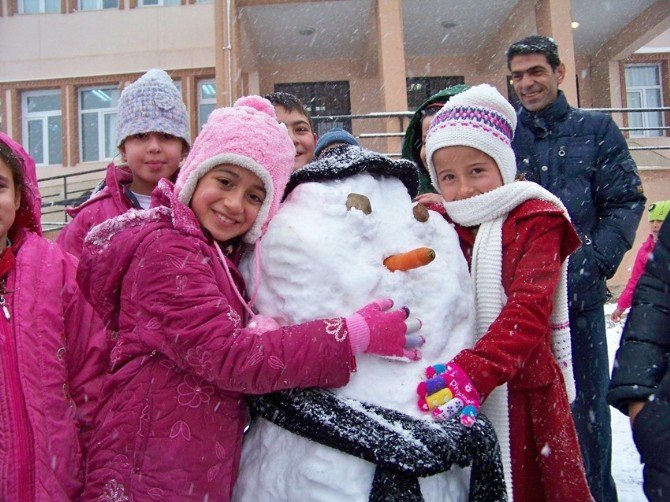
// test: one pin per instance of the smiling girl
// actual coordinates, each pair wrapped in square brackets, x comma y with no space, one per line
[166,281]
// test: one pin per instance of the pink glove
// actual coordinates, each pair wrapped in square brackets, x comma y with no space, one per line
[448,391]
[376,330]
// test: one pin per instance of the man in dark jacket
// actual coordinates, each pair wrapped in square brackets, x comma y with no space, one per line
[582,158]
[640,384]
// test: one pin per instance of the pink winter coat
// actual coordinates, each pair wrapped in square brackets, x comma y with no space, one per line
[111,201]
[170,426]
[626,298]
[47,330]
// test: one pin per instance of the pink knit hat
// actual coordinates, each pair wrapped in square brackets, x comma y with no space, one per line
[246,135]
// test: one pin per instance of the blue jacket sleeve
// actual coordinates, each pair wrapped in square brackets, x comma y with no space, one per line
[617,191]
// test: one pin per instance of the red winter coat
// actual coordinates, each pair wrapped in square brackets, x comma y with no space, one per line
[626,298]
[170,425]
[111,201]
[47,363]
[546,461]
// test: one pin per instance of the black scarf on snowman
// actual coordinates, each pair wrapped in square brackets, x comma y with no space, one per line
[373,433]
[403,448]
[347,160]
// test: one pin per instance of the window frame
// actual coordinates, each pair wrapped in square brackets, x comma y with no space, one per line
[20,7]
[44,116]
[641,90]
[99,6]
[207,101]
[102,113]
[159,3]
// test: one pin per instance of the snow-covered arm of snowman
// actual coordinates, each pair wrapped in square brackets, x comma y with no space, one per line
[523,323]
[184,313]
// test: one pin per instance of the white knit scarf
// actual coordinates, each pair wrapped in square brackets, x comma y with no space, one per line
[489,211]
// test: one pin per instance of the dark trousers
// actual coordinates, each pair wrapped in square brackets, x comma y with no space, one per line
[651,433]
[590,409]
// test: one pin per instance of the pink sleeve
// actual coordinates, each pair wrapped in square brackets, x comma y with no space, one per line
[626,298]
[87,348]
[183,313]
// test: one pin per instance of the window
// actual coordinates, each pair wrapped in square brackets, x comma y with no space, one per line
[643,90]
[98,4]
[153,3]
[97,123]
[39,6]
[42,126]
[419,89]
[323,99]
[206,100]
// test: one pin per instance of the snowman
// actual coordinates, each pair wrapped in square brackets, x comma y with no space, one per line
[324,255]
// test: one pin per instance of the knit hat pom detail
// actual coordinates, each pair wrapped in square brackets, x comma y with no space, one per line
[257,103]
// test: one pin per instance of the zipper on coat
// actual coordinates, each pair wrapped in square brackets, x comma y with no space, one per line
[17,412]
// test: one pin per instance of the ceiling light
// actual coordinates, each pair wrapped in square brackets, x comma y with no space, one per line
[307,32]
[448,24]
[574,25]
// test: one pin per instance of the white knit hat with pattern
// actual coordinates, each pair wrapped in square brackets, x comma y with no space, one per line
[481,118]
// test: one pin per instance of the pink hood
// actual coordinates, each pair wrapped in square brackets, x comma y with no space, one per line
[30,212]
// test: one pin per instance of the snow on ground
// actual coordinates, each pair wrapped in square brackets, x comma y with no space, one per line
[626,467]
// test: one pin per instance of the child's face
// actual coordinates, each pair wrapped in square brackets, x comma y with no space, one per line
[463,172]
[226,201]
[151,156]
[10,199]
[655,227]
[301,134]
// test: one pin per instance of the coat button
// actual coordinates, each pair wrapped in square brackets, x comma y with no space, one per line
[544,168]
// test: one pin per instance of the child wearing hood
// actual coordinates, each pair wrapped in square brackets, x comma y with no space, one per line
[166,281]
[45,329]
[152,134]
[516,237]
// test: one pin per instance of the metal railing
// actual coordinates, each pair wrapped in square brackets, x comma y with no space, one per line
[57,202]
[64,196]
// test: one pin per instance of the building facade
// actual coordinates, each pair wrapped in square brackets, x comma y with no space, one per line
[64,63]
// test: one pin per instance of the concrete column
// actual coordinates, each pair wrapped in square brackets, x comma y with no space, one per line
[553,19]
[227,52]
[391,65]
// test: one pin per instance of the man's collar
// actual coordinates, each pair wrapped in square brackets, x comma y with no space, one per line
[548,115]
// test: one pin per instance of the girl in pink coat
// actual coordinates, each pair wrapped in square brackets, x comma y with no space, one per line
[153,138]
[43,348]
[658,211]
[166,284]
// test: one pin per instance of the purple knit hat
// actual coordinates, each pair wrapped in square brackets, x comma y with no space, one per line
[246,135]
[152,104]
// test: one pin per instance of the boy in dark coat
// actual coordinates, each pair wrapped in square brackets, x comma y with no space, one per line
[640,386]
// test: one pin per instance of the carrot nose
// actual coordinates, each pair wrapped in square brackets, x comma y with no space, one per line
[410,260]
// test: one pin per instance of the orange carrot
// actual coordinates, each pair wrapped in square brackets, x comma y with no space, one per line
[411,259]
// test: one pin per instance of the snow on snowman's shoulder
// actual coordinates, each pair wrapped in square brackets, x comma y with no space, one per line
[102,234]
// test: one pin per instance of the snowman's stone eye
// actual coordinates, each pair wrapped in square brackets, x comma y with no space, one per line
[360,202]
[420,213]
